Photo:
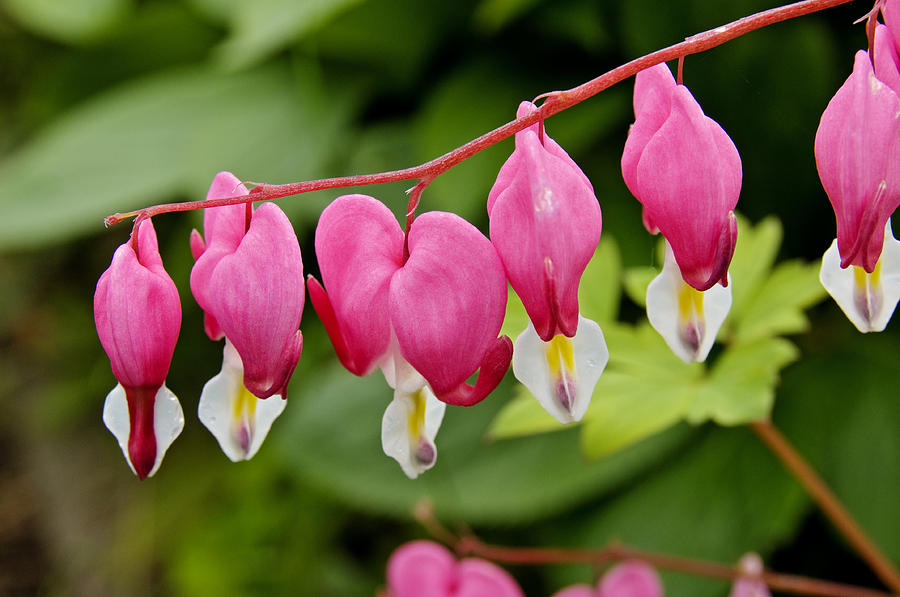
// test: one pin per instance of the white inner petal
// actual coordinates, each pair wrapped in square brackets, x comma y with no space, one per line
[561,373]
[409,427]
[868,300]
[237,419]
[686,318]
[168,421]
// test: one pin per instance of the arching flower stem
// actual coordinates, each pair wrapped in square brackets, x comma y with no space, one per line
[556,102]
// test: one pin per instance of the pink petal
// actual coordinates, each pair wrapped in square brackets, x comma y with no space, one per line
[421,569]
[887,68]
[545,225]
[688,178]
[858,156]
[138,313]
[631,579]
[256,294]
[447,304]
[359,246]
[479,578]
[653,88]
[426,569]
[891,12]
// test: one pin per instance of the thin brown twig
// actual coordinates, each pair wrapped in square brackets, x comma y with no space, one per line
[556,102]
[883,567]
[467,544]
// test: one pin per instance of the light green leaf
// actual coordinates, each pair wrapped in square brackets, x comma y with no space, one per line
[626,408]
[71,22]
[599,292]
[160,138]
[754,255]
[523,415]
[263,27]
[636,280]
[776,305]
[331,435]
[741,385]
[516,319]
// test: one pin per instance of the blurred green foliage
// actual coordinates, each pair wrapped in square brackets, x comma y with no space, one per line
[111,105]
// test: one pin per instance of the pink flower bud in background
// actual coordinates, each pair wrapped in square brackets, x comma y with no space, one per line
[426,569]
[428,321]
[545,224]
[628,579]
[750,583]
[138,316]
[248,278]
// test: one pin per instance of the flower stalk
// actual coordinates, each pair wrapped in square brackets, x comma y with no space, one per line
[556,102]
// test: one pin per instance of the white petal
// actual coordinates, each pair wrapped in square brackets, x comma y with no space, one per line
[687,319]
[561,373]
[168,421]
[868,300]
[239,420]
[398,373]
[410,424]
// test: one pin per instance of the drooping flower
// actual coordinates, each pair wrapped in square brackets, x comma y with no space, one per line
[429,319]
[138,316]
[248,278]
[426,569]
[545,224]
[686,172]
[858,157]
[628,579]
[750,583]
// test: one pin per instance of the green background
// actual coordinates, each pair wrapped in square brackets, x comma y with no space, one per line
[112,105]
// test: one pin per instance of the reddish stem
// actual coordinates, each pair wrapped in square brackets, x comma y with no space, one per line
[556,102]
[829,503]
[787,583]
[469,544]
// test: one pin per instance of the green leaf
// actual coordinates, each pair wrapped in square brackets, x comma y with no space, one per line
[626,408]
[263,27]
[636,280]
[522,415]
[644,390]
[599,292]
[492,15]
[162,137]
[755,252]
[68,21]
[331,435]
[776,305]
[741,385]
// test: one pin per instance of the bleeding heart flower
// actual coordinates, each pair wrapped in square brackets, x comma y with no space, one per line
[429,321]
[426,569]
[858,157]
[248,278]
[750,583]
[628,579]
[545,225]
[686,172]
[138,316]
